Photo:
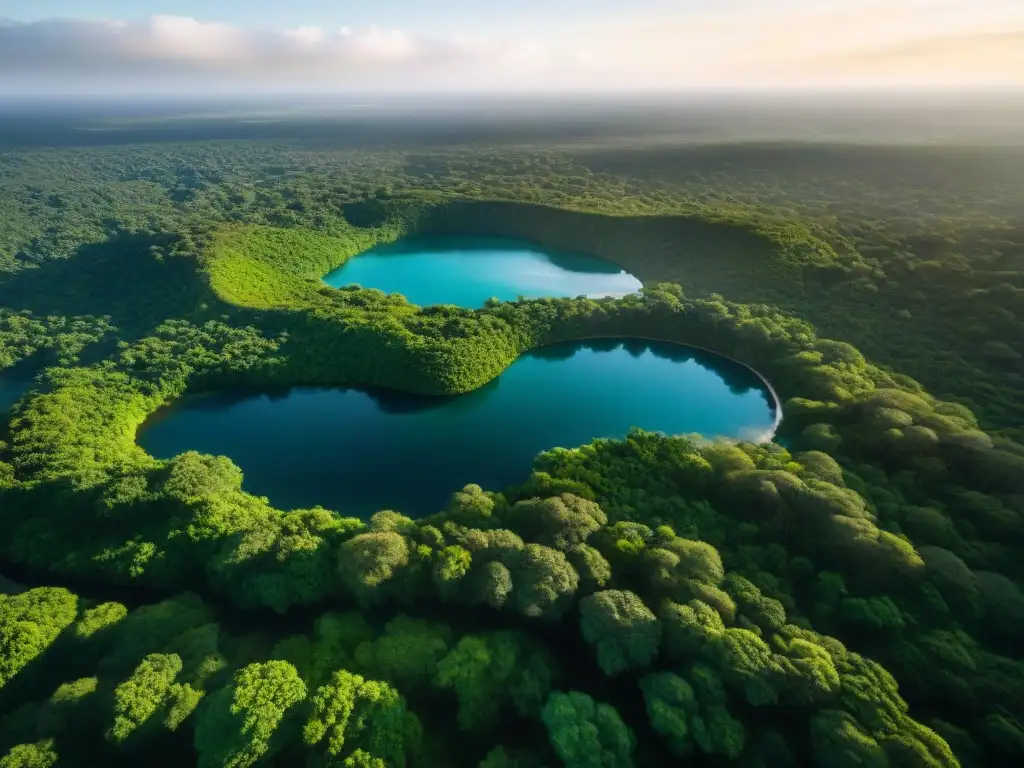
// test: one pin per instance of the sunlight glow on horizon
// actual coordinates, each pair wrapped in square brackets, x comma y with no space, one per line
[776,44]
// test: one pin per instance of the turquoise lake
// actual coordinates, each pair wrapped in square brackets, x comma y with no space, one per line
[467,271]
[358,451]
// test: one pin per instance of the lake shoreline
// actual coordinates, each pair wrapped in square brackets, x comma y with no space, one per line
[625,337]
[353,446]
[467,271]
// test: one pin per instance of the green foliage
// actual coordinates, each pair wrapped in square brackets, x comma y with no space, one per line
[563,522]
[350,716]
[585,733]
[491,584]
[472,506]
[889,526]
[39,755]
[285,562]
[543,581]
[239,725]
[360,759]
[99,620]
[670,705]
[155,627]
[876,614]
[371,562]
[488,672]
[336,638]
[29,623]
[764,612]
[839,741]
[452,565]
[593,569]
[715,729]
[625,633]
[408,652]
[149,700]
[265,267]
[64,339]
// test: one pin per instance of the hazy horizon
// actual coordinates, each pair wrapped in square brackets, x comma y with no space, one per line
[185,47]
[636,120]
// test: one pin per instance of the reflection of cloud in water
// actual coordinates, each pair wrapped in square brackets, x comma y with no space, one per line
[466,271]
[540,273]
[757,434]
[751,434]
[551,281]
[610,294]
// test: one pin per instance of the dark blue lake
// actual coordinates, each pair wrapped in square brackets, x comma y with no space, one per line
[469,270]
[358,451]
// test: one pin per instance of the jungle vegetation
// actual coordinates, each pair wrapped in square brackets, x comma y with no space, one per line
[849,595]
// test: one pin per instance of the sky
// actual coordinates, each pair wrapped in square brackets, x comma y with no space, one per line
[197,46]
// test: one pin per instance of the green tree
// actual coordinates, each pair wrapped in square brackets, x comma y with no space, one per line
[671,705]
[765,612]
[594,570]
[408,652]
[715,729]
[29,624]
[492,670]
[99,620]
[350,714]
[689,630]
[452,564]
[370,563]
[150,701]
[839,741]
[563,522]
[543,581]
[239,725]
[472,506]
[624,632]
[38,755]
[587,734]
[491,584]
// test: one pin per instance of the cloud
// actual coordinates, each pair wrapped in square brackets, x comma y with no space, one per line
[949,42]
[174,49]
[859,42]
[995,57]
[847,42]
[180,38]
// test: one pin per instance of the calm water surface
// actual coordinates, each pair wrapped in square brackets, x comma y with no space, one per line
[358,451]
[469,270]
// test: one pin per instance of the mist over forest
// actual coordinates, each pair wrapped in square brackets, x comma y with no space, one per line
[854,116]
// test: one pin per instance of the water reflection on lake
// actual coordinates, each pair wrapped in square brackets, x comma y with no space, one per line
[358,451]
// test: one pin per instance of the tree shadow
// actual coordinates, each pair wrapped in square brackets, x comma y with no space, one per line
[134,279]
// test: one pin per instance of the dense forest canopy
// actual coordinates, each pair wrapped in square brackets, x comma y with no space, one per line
[849,595]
